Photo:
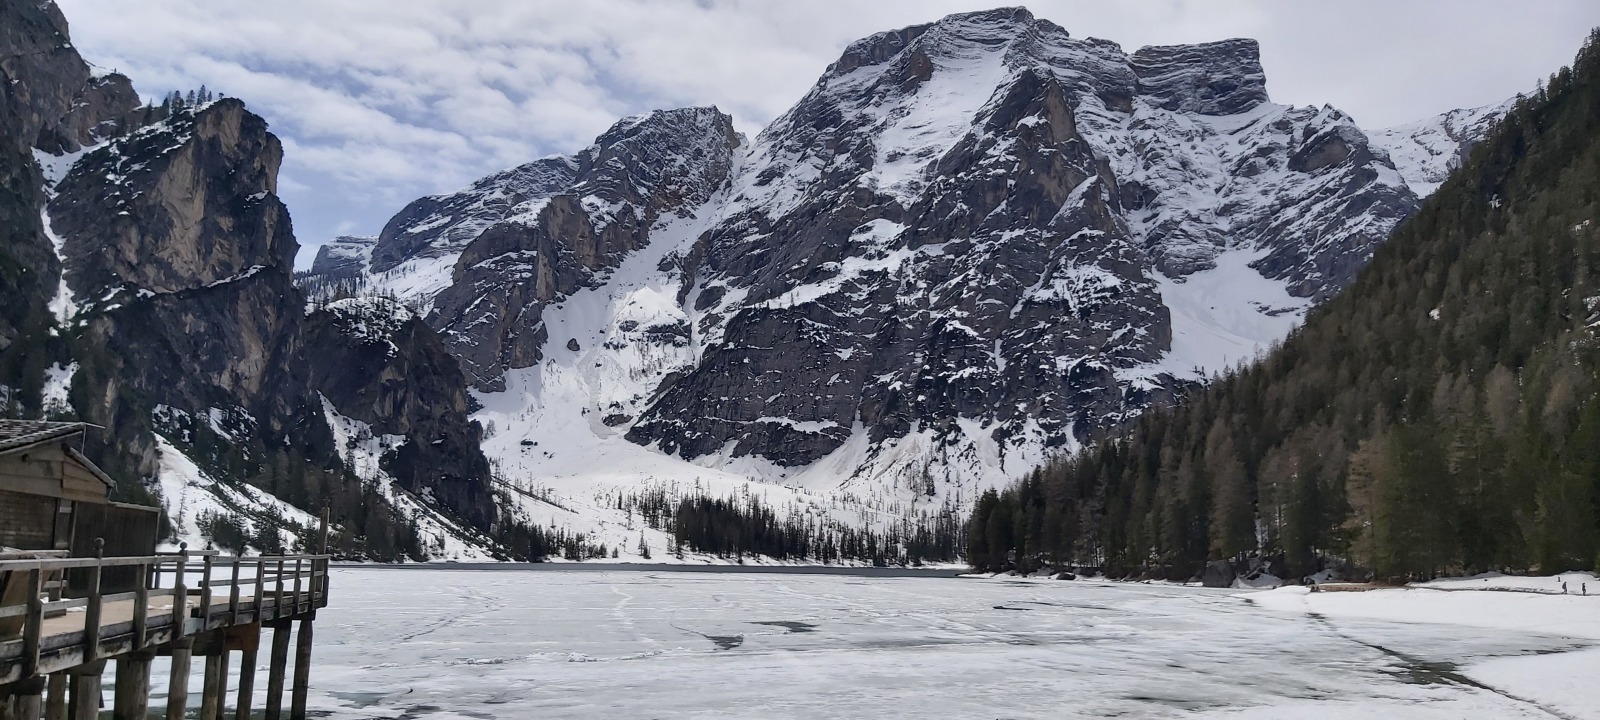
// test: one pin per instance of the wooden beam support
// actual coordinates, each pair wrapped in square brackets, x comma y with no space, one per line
[84,697]
[247,683]
[178,679]
[275,672]
[28,698]
[214,694]
[132,698]
[55,704]
[302,669]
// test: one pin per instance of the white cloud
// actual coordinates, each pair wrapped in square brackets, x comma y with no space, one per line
[381,101]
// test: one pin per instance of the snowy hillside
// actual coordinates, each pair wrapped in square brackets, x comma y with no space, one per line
[1425,152]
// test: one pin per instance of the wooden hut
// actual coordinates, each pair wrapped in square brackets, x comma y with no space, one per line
[52,498]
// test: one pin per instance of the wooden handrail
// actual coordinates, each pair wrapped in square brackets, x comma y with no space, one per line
[148,560]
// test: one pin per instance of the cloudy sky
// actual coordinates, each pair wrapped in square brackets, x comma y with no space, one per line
[379,102]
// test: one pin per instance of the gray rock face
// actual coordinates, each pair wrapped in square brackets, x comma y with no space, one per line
[180,257]
[345,256]
[442,224]
[1220,78]
[50,102]
[59,104]
[556,240]
[378,363]
[969,243]
[193,204]
[964,222]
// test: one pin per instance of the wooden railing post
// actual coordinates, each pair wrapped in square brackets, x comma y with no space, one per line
[91,614]
[205,595]
[34,625]
[277,599]
[180,595]
[261,569]
[297,599]
[233,593]
[141,604]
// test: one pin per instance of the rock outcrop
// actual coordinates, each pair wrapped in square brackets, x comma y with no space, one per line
[378,363]
[153,266]
[49,102]
[519,239]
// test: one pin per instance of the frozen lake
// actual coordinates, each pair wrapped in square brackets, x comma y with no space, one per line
[658,644]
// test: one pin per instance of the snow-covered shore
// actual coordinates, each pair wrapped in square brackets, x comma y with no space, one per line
[1559,682]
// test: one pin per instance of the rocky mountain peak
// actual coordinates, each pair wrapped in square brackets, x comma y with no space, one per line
[1217,78]
[61,104]
[215,215]
[344,256]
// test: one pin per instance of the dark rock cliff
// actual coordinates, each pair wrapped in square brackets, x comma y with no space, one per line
[378,363]
[49,100]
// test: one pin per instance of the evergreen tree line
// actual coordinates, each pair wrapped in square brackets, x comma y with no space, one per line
[1442,415]
[736,527]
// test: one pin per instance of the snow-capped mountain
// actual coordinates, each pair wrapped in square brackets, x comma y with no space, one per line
[1427,151]
[972,242]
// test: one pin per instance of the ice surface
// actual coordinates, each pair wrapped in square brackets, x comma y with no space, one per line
[651,644]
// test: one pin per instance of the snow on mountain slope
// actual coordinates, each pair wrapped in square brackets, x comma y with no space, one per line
[1426,151]
[972,244]
[193,498]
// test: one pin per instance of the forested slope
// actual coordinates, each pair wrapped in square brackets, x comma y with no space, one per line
[1441,415]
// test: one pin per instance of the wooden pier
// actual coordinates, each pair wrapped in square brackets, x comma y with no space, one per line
[185,606]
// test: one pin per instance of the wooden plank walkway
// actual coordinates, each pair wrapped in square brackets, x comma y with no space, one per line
[47,643]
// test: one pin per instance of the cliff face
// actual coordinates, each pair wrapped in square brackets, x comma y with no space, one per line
[178,256]
[517,240]
[49,101]
[150,290]
[378,363]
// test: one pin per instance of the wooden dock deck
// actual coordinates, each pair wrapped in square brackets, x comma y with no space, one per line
[53,650]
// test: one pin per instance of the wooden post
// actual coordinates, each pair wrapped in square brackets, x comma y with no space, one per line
[261,569]
[55,704]
[322,533]
[216,683]
[180,595]
[132,699]
[233,594]
[141,604]
[280,661]
[91,615]
[277,598]
[247,682]
[29,698]
[33,626]
[302,669]
[178,679]
[84,697]
[297,565]
[205,596]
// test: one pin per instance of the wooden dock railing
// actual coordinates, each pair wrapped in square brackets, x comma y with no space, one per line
[171,604]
